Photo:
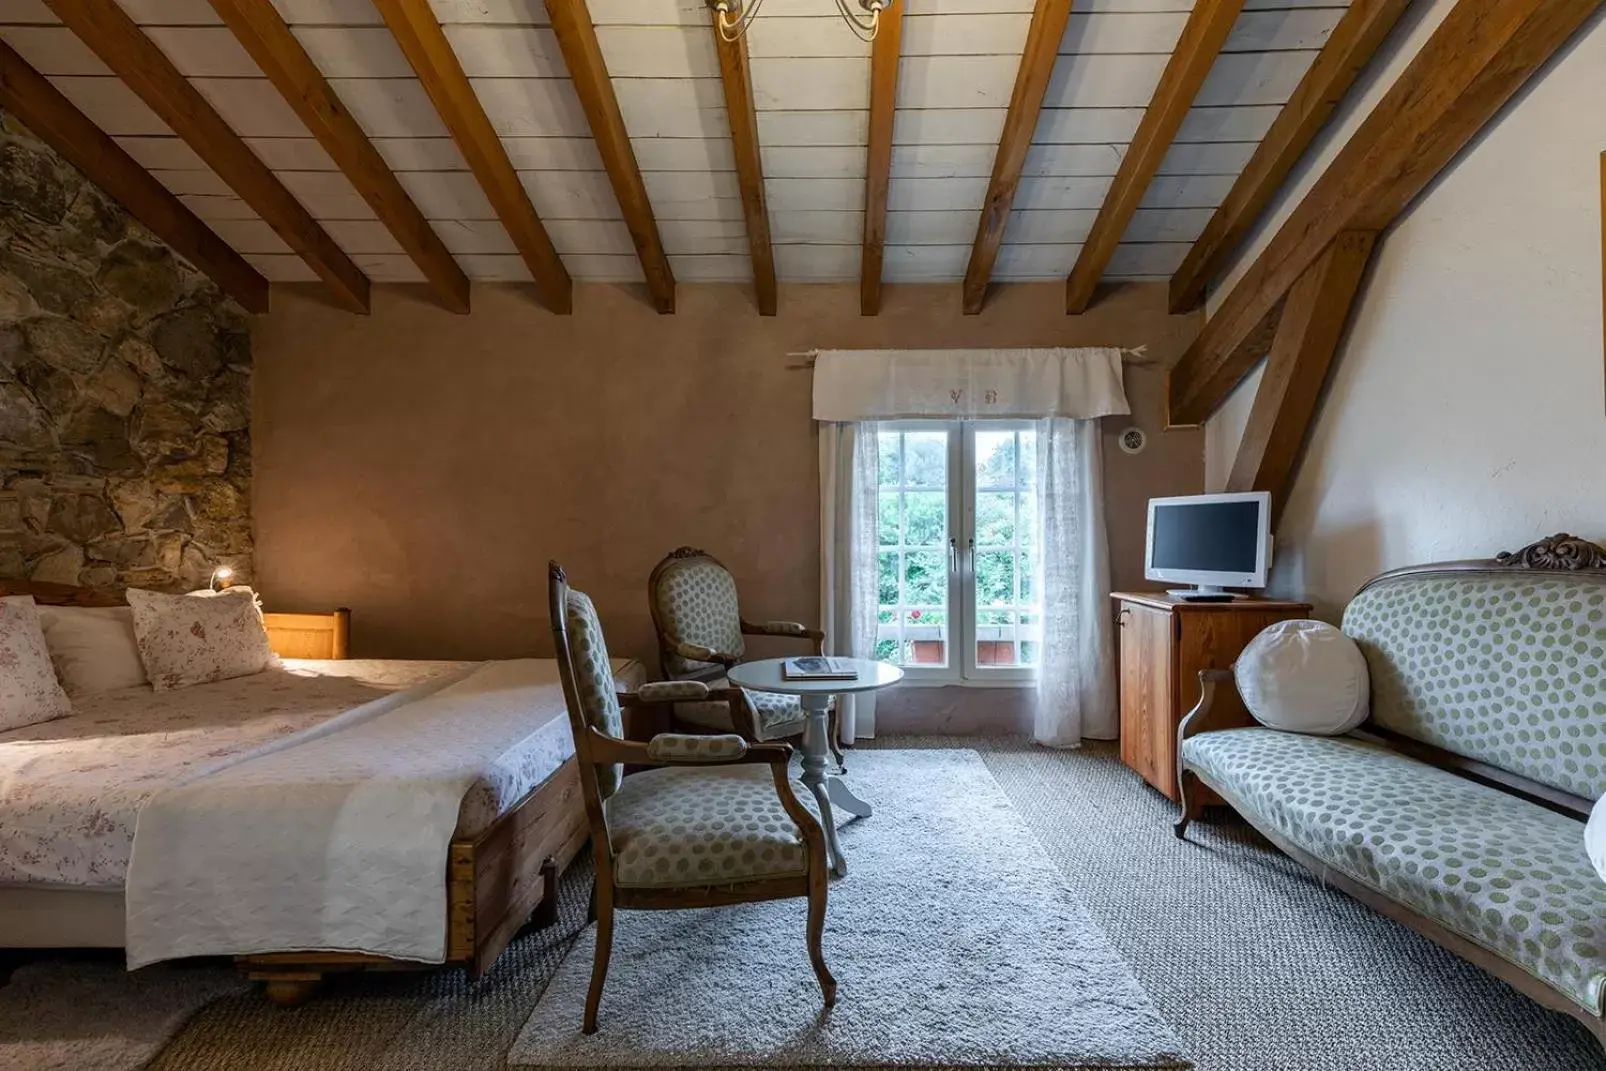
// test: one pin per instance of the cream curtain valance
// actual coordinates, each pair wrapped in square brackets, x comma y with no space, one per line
[855,385]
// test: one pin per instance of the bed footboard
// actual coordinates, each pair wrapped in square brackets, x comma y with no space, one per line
[496,882]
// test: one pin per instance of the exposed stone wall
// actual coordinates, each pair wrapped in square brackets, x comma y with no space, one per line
[125,392]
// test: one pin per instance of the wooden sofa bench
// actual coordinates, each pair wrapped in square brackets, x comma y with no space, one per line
[1458,808]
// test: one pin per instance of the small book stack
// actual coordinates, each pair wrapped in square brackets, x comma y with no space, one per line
[816,668]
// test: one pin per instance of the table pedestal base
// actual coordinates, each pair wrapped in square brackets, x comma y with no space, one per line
[828,791]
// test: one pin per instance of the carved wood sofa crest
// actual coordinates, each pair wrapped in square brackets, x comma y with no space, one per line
[1458,808]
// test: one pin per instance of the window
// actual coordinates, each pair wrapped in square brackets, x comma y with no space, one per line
[958,565]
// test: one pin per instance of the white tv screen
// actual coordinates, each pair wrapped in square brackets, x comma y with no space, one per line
[1212,537]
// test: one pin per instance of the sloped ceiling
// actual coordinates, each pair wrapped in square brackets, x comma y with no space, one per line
[811,87]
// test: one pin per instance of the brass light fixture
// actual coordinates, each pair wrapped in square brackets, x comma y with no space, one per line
[735,16]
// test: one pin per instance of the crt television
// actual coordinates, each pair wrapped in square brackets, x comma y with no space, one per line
[1212,541]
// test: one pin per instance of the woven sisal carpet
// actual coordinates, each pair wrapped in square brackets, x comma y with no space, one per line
[1251,961]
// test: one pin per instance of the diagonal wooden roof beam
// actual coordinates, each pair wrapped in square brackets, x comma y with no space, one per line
[884,55]
[1206,30]
[134,58]
[577,37]
[263,33]
[1354,40]
[28,95]
[1020,124]
[1478,56]
[737,78]
[424,44]
[1302,354]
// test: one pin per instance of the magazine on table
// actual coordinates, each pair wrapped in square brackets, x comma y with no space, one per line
[818,668]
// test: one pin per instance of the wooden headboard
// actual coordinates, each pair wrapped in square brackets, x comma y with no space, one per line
[326,635]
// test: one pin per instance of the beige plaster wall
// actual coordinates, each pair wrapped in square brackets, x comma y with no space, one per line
[421,467]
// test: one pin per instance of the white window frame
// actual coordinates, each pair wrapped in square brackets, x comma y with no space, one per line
[961,630]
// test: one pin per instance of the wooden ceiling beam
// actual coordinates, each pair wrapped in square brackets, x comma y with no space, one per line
[29,96]
[1020,124]
[1301,357]
[577,37]
[430,54]
[134,58]
[1351,46]
[263,33]
[736,77]
[1479,55]
[1206,30]
[884,55]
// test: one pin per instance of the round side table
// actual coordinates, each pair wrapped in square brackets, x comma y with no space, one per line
[766,676]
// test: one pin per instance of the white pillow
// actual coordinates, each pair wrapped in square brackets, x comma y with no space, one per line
[1304,677]
[93,648]
[185,641]
[29,691]
[1595,837]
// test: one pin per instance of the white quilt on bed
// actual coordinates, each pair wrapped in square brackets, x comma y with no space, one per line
[336,838]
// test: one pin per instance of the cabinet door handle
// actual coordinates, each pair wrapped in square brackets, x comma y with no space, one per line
[1120,618]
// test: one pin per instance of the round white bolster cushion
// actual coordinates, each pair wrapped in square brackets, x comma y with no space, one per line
[1595,837]
[1304,677]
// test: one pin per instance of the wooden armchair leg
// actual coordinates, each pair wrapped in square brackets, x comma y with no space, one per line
[599,964]
[816,936]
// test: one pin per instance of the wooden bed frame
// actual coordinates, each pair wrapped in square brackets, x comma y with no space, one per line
[496,882]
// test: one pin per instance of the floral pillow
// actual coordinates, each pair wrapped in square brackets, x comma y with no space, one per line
[29,691]
[184,640]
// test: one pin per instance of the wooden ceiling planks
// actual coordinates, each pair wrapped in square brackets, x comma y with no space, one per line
[257,25]
[1206,31]
[31,98]
[1478,56]
[424,43]
[884,56]
[577,37]
[144,68]
[1349,48]
[1031,83]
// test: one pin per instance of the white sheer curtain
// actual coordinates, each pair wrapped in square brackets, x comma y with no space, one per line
[848,598]
[1076,679]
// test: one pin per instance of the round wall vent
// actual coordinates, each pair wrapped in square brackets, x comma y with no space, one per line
[1133,440]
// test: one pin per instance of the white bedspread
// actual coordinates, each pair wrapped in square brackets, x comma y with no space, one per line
[335,838]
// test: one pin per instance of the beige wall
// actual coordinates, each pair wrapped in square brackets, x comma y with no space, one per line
[1465,415]
[421,467]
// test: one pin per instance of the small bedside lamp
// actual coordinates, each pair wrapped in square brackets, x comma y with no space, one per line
[222,577]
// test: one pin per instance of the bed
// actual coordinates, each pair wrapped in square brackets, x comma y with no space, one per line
[71,790]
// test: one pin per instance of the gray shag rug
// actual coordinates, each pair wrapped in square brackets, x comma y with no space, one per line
[92,1015]
[954,942]
[1253,962]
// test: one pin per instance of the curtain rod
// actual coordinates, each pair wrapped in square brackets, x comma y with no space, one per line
[1138,355]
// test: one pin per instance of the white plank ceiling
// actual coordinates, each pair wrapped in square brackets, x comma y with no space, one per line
[811,87]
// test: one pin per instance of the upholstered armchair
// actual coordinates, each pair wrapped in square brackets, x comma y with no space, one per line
[713,820]
[701,635]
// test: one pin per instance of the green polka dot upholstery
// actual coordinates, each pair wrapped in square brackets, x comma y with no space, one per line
[1504,873]
[696,603]
[685,747]
[593,680]
[778,715]
[1506,668]
[681,826]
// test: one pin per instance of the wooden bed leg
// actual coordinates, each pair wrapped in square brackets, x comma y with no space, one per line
[1192,806]
[289,992]
[546,912]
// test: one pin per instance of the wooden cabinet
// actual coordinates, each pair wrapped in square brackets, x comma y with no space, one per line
[1164,643]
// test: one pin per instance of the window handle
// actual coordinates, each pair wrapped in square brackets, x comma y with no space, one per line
[953,555]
